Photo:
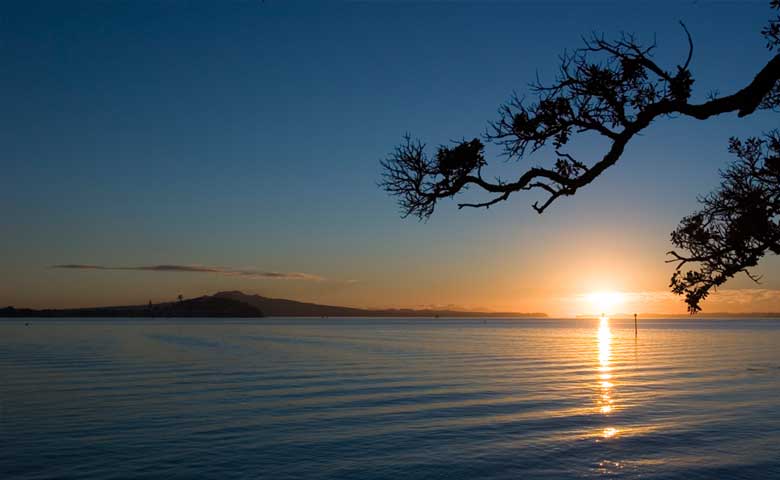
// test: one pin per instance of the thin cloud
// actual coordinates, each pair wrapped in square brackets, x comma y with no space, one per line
[732,296]
[747,296]
[737,299]
[233,272]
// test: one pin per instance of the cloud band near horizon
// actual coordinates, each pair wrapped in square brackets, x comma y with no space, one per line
[235,272]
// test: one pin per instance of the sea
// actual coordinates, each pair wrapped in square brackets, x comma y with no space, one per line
[406,399]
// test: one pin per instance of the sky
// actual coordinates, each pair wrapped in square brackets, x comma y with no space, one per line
[207,146]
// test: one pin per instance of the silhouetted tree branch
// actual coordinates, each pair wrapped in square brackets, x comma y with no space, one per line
[612,89]
[737,224]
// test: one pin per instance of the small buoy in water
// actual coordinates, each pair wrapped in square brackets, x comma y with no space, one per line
[26,324]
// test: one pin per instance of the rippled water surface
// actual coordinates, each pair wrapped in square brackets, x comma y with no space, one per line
[390,399]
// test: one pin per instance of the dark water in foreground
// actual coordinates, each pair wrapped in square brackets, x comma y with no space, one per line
[390,399]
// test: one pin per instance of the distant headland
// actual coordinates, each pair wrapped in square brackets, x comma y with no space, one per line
[234,304]
[205,307]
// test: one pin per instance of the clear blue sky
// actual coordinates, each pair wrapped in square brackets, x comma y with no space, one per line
[248,134]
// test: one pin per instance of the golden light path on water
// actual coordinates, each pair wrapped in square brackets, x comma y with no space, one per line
[605,401]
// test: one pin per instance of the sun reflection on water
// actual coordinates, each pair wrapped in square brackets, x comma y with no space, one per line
[605,402]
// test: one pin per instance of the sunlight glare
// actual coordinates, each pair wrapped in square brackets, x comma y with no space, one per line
[609,432]
[605,403]
[605,302]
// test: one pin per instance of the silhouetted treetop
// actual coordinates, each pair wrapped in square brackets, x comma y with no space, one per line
[610,88]
[737,224]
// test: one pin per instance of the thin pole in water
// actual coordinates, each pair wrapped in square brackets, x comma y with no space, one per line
[635,327]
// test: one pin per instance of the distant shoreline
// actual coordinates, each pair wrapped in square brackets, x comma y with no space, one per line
[235,304]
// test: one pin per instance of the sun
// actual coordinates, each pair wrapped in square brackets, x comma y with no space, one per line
[605,302]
